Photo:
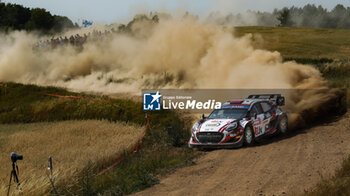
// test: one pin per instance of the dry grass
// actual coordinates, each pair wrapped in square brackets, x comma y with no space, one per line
[72,144]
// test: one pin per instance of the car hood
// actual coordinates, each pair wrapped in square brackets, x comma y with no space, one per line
[215,125]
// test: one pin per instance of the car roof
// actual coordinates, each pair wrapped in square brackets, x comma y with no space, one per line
[241,103]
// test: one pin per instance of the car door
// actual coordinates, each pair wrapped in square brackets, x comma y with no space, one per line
[259,128]
[268,116]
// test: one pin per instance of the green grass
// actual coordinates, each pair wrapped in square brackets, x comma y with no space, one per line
[29,103]
[164,145]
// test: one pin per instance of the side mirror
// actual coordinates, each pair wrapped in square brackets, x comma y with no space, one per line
[203,117]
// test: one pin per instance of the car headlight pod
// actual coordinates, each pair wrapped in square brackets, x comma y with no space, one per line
[195,126]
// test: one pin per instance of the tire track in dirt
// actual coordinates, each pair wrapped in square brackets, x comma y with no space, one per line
[276,166]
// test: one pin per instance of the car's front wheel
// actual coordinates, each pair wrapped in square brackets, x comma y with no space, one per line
[248,136]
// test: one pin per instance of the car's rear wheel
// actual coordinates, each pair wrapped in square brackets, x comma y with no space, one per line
[283,125]
[248,136]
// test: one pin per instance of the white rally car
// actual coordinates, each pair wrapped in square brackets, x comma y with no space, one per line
[240,122]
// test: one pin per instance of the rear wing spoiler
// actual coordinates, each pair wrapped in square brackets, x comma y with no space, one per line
[277,99]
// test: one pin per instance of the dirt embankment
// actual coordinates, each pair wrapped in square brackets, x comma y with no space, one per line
[277,166]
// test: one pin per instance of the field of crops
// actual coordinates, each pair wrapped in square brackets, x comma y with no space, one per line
[71,144]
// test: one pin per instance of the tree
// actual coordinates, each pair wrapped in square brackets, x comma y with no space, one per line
[40,20]
[61,23]
[284,17]
[13,16]
[17,17]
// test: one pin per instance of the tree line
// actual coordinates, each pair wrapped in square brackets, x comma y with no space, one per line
[312,16]
[17,17]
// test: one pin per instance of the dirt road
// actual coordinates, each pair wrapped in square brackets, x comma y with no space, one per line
[277,166]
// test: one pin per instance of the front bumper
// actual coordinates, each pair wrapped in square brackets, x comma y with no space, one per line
[195,144]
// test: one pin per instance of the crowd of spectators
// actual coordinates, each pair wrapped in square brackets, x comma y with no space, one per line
[73,40]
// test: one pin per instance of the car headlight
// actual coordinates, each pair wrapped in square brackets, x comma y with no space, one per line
[232,126]
[195,126]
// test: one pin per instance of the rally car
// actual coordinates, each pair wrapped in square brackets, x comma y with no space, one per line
[241,122]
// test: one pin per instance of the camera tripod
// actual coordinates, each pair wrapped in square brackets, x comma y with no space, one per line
[15,178]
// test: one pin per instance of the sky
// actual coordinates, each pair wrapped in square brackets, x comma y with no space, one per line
[121,11]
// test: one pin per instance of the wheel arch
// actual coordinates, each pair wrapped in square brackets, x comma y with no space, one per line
[245,123]
[283,115]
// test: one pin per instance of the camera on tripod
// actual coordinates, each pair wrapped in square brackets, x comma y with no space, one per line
[15,157]
[14,171]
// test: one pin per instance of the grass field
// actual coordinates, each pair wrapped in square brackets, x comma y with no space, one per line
[302,42]
[72,145]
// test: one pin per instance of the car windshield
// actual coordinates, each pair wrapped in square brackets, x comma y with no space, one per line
[228,113]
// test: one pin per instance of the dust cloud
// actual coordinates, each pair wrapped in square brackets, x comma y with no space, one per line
[174,53]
